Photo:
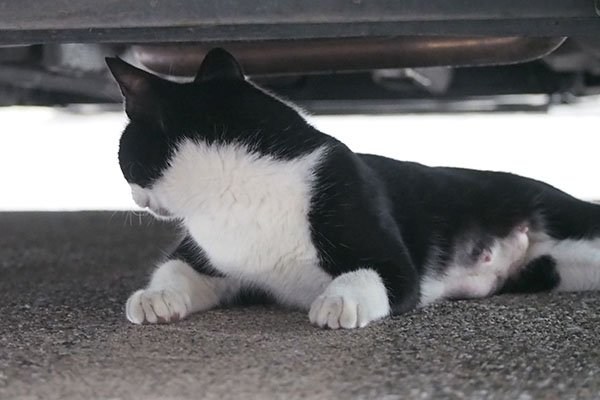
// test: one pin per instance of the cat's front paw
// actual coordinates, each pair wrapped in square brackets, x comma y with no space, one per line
[155,306]
[352,300]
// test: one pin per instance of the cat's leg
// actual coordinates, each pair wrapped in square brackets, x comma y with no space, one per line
[351,300]
[564,250]
[486,275]
[510,252]
[538,275]
[561,265]
[356,298]
[179,287]
[175,291]
[565,246]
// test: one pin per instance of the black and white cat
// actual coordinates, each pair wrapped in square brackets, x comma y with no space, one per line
[270,203]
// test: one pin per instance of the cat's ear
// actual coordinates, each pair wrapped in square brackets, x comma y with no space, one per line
[219,64]
[139,88]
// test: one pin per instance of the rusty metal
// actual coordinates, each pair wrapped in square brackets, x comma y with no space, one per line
[325,55]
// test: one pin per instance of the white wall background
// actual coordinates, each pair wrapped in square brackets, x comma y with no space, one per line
[54,160]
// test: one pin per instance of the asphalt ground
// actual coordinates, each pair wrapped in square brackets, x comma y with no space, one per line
[64,279]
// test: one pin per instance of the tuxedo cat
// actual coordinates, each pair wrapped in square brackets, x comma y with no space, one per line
[269,203]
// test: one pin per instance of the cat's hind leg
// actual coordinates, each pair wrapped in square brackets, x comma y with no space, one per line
[564,253]
[175,291]
[561,265]
[485,275]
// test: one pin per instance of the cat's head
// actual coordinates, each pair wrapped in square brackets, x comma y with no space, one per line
[220,107]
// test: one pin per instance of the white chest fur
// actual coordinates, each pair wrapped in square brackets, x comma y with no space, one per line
[250,215]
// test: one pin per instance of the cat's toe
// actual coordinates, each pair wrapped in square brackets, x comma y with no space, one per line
[326,311]
[133,308]
[155,306]
[352,300]
[335,312]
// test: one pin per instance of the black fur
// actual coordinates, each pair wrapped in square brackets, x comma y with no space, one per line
[224,109]
[189,252]
[539,275]
[390,214]
[367,211]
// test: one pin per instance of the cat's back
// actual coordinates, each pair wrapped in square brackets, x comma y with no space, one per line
[406,176]
[443,196]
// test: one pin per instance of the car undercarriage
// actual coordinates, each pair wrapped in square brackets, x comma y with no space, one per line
[330,57]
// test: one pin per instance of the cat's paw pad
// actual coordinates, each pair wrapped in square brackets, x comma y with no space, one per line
[155,306]
[352,300]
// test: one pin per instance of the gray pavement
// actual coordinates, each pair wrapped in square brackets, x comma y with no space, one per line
[64,278]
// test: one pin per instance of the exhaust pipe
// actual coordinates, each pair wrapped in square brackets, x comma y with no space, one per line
[354,54]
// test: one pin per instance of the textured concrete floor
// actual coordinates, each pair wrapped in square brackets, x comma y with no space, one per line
[64,279]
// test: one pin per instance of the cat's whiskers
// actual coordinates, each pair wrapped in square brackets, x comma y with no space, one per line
[112,215]
[149,221]
[126,218]
[139,215]
[129,214]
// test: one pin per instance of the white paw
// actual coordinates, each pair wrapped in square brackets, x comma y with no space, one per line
[352,300]
[156,306]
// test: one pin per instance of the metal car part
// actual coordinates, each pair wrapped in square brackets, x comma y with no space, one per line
[127,21]
[354,54]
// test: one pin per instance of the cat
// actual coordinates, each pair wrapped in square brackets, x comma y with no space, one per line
[269,203]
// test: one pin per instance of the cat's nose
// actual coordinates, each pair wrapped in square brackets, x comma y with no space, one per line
[140,196]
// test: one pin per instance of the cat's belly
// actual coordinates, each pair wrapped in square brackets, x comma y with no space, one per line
[483,276]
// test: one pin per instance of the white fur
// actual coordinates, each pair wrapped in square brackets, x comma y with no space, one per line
[351,300]
[433,288]
[577,261]
[249,213]
[481,279]
[143,198]
[175,291]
